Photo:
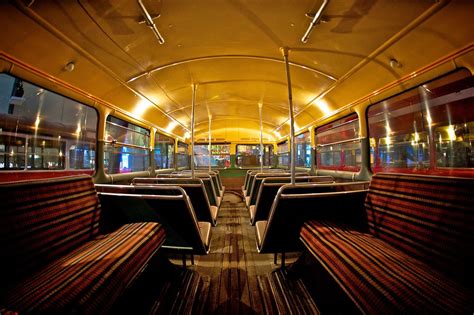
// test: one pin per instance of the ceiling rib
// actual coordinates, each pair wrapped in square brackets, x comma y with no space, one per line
[217,57]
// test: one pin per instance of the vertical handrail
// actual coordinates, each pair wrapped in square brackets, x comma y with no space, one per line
[210,143]
[285,51]
[260,105]
[192,130]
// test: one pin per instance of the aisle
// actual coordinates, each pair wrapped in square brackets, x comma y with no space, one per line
[233,263]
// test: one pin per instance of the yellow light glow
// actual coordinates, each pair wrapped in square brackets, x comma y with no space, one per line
[451,133]
[277,134]
[172,124]
[60,154]
[417,137]
[323,106]
[37,122]
[141,107]
[187,135]
[78,130]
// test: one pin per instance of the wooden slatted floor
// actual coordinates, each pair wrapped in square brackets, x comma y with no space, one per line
[232,279]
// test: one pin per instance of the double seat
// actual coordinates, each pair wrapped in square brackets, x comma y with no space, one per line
[412,251]
[55,259]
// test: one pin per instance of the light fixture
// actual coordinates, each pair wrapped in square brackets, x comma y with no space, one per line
[394,63]
[69,67]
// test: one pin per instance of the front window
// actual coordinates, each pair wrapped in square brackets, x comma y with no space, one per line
[182,156]
[42,130]
[248,155]
[429,129]
[283,154]
[164,151]
[303,150]
[338,145]
[220,155]
[126,147]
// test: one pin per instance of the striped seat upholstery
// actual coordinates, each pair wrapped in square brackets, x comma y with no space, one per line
[54,258]
[416,253]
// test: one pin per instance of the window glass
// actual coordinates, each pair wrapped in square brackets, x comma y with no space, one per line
[220,155]
[182,156]
[126,147]
[42,130]
[338,145]
[164,151]
[428,129]
[248,155]
[303,150]
[283,154]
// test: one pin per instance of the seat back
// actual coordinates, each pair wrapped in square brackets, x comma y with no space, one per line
[268,191]
[256,180]
[168,205]
[194,189]
[206,179]
[41,220]
[429,217]
[295,204]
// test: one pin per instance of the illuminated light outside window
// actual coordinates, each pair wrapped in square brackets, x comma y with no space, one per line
[220,155]
[164,151]
[127,147]
[248,155]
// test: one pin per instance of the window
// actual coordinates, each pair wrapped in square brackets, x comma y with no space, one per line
[126,147]
[303,150]
[42,130]
[220,155]
[164,151]
[338,145]
[429,129]
[183,157]
[283,154]
[248,155]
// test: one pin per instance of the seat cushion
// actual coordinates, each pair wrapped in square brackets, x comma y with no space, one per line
[260,227]
[252,212]
[380,278]
[214,212]
[91,277]
[205,230]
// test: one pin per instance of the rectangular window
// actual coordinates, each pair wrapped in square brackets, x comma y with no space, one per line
[183,156]
[220,155]
[338,145]
[126,147]
[283,154]
[248,155]
[42,130]
[429,129]
[164,151]
[303,150]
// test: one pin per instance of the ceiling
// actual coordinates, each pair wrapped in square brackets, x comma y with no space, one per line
[230,51]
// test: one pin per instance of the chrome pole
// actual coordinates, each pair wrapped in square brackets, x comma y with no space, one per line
[192,130]
[210,142]
[292,119]
[260,105]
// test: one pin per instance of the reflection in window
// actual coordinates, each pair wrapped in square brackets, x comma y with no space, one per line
[338,145]
[220,155]
[164,151]
[126,147]
[303,150]
[182,155]
[248,155]
[428,129]
[283,154]
[42,130]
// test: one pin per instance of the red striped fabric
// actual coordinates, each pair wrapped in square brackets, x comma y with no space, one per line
[91,277]
[380,278]
[45,219]
[428,217]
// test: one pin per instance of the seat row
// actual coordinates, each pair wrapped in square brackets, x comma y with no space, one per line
[186,207]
